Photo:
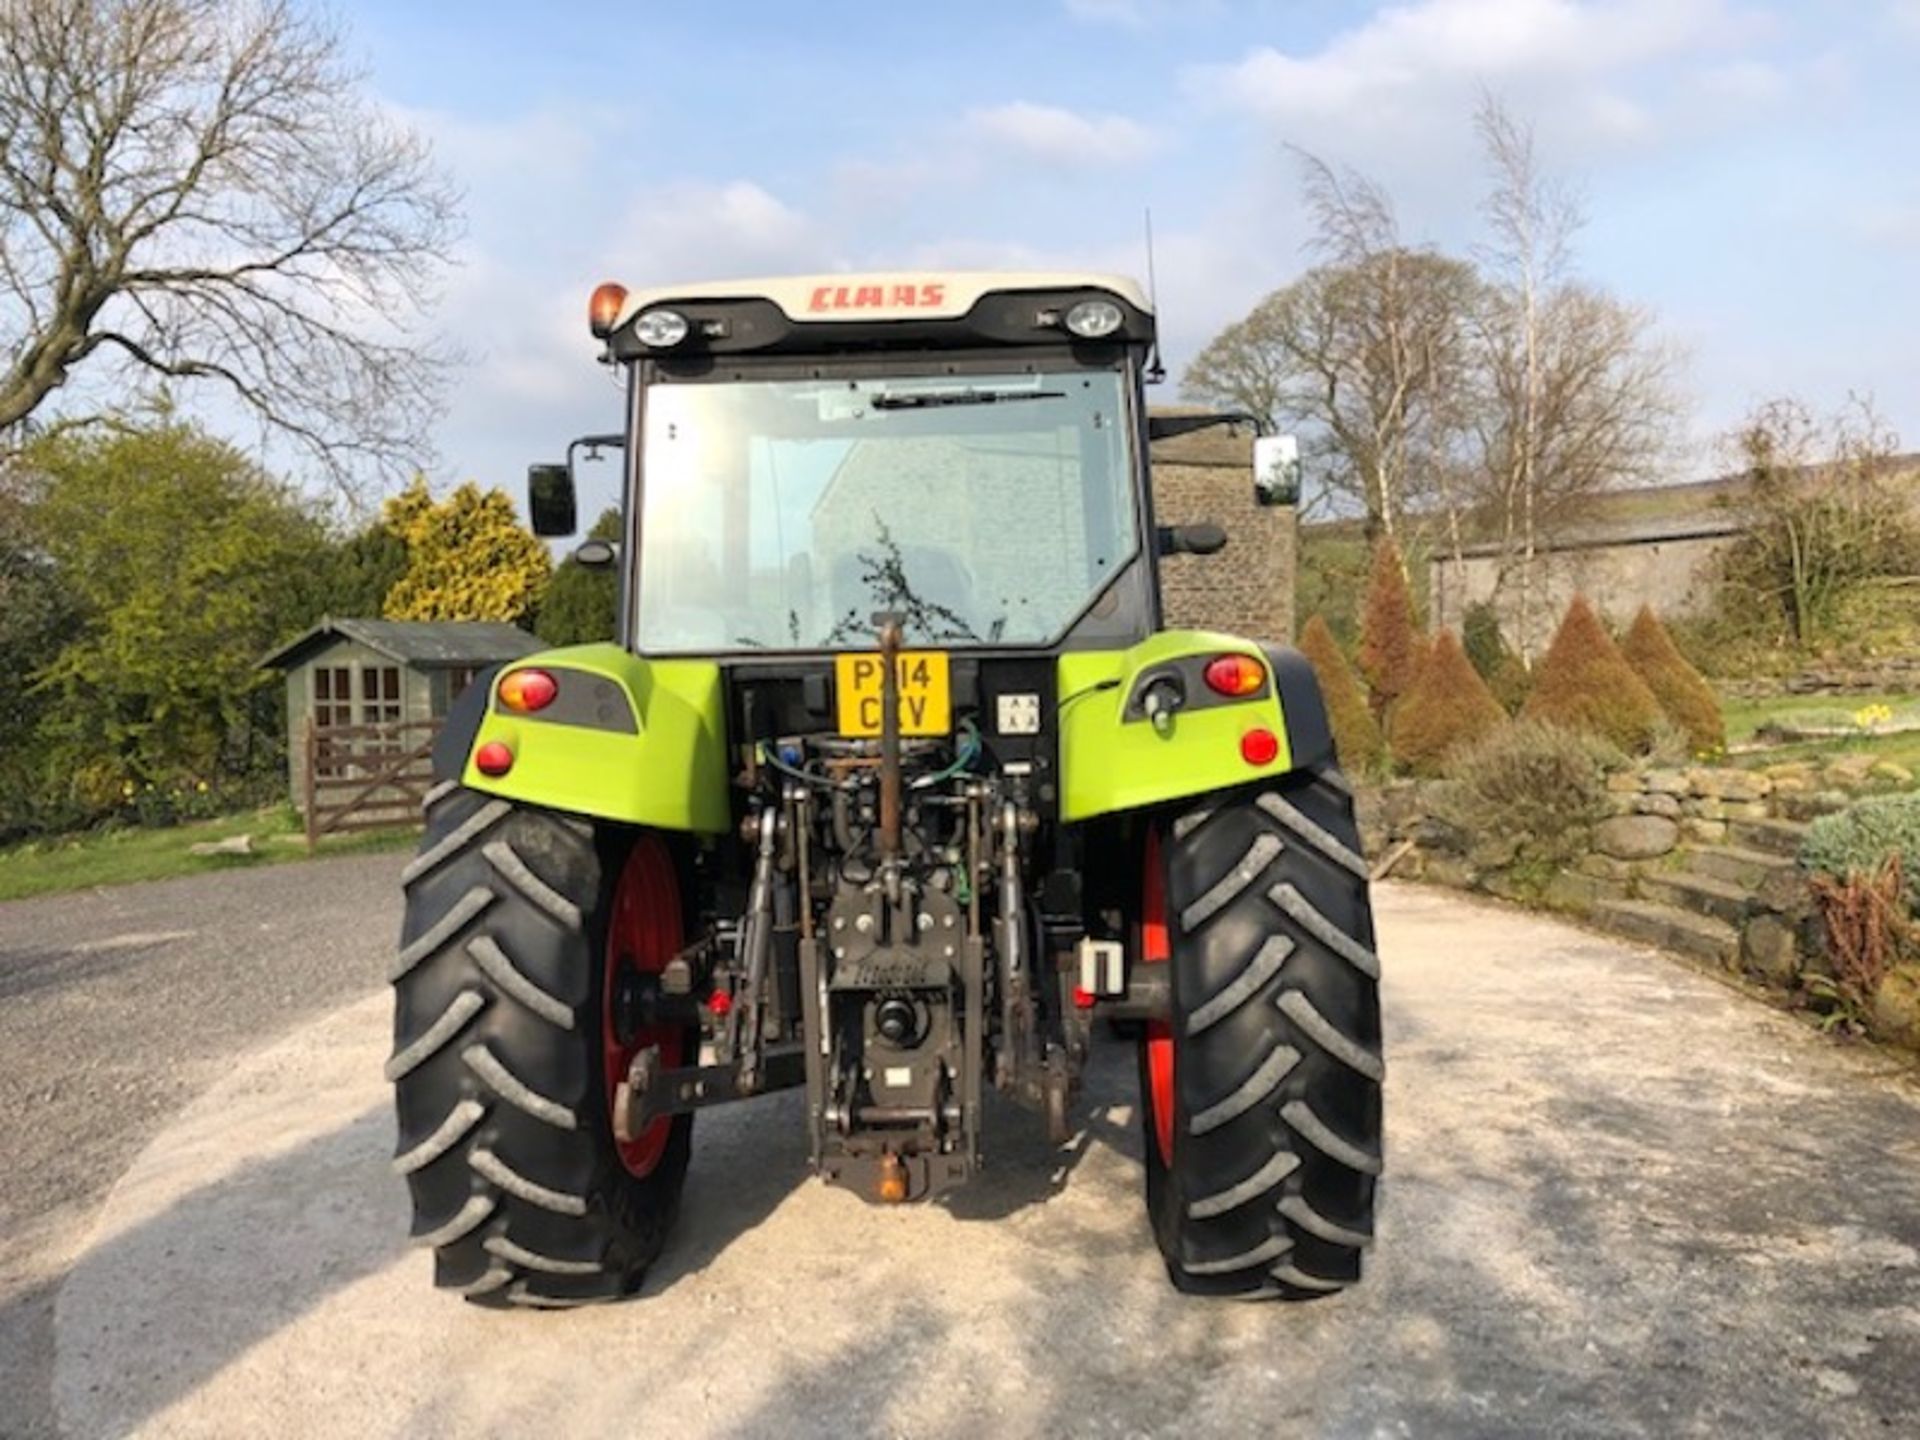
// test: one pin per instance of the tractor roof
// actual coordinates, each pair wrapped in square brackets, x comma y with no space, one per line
[887,294]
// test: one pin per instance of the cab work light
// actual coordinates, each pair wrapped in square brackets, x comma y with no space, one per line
[1234,675]
[661,329]
[1091,319]
[527,690]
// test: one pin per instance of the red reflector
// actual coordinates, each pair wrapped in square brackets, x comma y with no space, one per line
[1235,675]
[528,689]
[720,1002]
[1083,999]
[1259,747]
[493,758]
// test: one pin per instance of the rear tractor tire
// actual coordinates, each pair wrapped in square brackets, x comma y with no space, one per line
[519,922]
[1261,1094]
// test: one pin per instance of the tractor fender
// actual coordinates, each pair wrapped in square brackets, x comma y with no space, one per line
[455,742]
[624,738]
[1114,759]
[1309,732]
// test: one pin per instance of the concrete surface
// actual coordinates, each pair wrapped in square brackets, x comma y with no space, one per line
[1622,1200]
[118,1006]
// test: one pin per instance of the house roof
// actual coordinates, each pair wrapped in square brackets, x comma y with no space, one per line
[418,644]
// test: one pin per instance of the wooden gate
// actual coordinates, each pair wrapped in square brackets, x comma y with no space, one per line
[367,777]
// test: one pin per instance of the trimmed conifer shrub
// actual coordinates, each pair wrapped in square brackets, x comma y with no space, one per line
[1391,647]
[1448,706]
[1480,637]
[1487,648]
[1355,733]
[1684,695]
[1586,684]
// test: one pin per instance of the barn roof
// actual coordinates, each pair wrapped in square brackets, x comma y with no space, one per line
[418,644]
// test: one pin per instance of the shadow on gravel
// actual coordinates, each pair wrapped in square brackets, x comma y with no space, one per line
[263,1245]
[748,1159]
[1023,1168]
[23,972]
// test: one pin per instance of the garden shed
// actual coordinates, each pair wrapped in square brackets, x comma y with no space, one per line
[351,674]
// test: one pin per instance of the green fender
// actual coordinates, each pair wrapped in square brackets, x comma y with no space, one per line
[1113,758]
[626,738]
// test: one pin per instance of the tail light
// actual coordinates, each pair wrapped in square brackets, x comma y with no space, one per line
[1235,675]
[493,758]
[1260,747]
[526,690]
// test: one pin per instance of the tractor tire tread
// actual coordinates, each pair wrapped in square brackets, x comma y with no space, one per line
[504,1141]
[1278,1062]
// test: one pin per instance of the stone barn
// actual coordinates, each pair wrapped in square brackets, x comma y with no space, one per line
[1248,588]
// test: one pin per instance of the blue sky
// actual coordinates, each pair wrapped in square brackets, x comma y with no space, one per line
[1751,170]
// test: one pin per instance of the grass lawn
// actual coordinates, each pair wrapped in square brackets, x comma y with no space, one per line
[117,855]
[1745,717]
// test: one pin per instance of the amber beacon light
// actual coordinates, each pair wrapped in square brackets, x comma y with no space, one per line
[603,310]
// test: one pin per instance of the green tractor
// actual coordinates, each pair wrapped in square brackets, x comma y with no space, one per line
[894,788]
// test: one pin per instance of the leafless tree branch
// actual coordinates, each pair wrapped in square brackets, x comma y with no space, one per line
[195,190]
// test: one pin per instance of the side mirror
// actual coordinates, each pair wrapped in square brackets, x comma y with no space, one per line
[1204,538]
[1276,470]
[550,500]
[596,554]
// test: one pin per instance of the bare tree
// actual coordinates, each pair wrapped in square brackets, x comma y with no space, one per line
[1826,517]
[1576,394]
[1364,353]
[195,190]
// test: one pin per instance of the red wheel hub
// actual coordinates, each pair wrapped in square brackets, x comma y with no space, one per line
[1155,949]
[643,934]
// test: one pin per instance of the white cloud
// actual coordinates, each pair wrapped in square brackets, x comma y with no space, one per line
[1575,64]
[1491,41]
[1062,137]
[691,230]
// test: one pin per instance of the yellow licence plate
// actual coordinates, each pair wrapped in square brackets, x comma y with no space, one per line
[925,702]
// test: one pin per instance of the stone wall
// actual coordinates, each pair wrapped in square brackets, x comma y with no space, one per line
[1674,575]
[1884,675]
[1702,861]
[1247,589]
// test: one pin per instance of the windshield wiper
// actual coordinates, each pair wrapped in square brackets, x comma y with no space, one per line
[928,399]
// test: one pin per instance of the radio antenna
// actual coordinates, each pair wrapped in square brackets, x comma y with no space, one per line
[1156,372]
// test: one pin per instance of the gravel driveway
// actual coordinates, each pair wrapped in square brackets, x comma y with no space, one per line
[116,1007]
[1622,1200]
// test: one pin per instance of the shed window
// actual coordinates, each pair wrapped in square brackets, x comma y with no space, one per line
[379,694]
[332,696]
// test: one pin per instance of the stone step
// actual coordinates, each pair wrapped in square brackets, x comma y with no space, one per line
[1701,894]
[1734,863]
[1811,806]
[1777,837]
[1579,892]
[1671,929]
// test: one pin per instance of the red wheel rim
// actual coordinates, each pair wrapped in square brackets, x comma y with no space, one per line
[643,934]
[1154,949]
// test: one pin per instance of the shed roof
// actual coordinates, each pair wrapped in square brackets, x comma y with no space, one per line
[419,644]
